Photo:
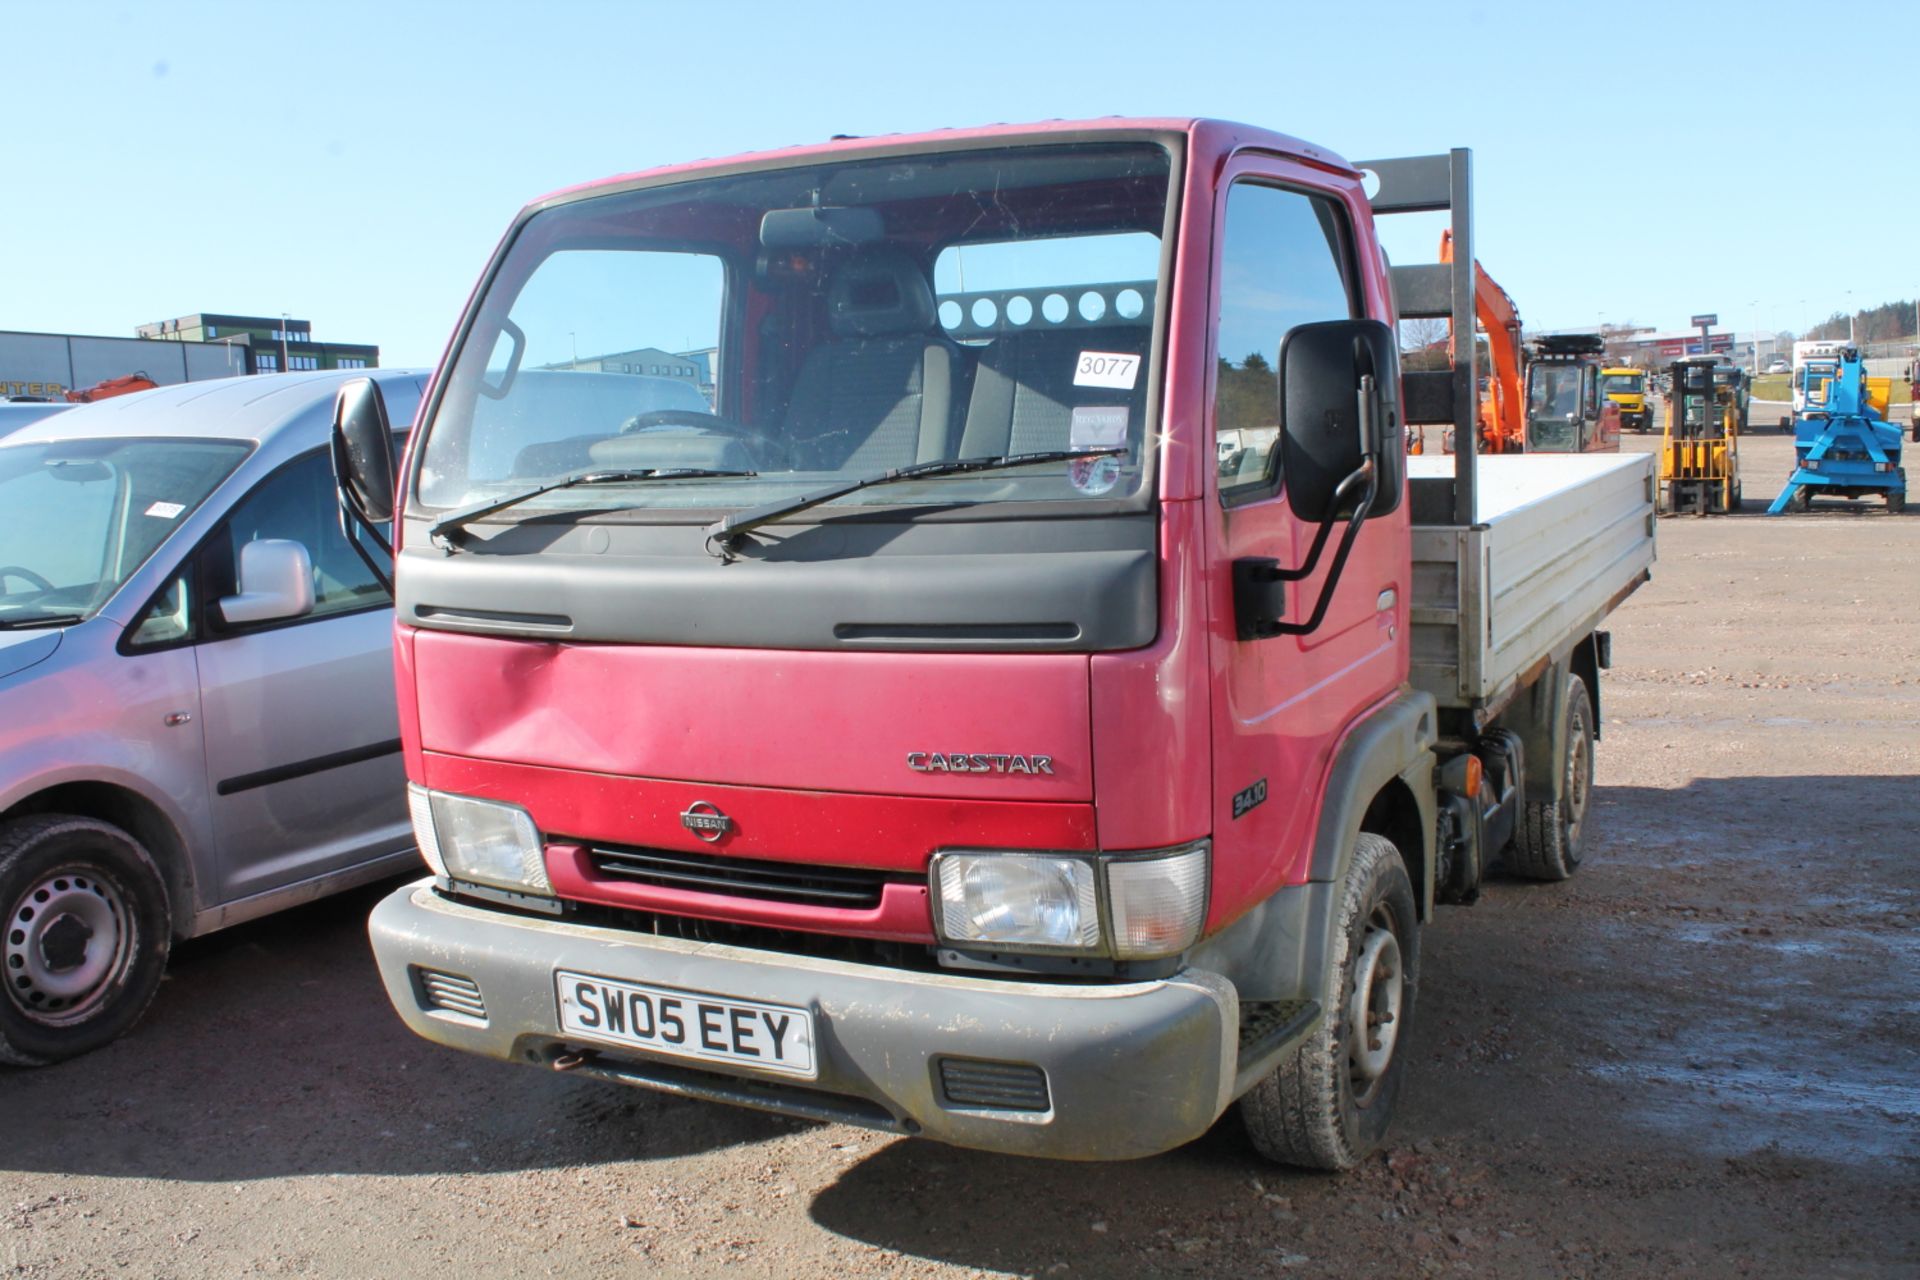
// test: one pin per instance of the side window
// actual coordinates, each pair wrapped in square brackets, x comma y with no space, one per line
[169,619]
[296,502]
[1281,266]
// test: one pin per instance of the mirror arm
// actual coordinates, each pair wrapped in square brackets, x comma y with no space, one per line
[1368,474]
[1320,535]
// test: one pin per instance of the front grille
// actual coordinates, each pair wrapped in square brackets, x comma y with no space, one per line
[451,992]
[995,1086]
[848,888]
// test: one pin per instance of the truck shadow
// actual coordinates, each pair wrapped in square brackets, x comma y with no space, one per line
[272,1051]
[1702,983]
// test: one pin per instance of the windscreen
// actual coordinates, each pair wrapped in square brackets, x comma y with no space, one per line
[802,327]
[1623,384]
[78,517]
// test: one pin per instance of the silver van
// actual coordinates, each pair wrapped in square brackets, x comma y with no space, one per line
[197,721]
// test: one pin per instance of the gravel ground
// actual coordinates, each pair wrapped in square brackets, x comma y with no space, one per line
[1698,1057]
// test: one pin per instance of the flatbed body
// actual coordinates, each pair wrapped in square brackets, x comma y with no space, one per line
[1559,542]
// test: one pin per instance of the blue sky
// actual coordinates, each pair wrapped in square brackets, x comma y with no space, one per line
[354,164]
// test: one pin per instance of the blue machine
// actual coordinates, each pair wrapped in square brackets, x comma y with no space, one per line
[1844,448]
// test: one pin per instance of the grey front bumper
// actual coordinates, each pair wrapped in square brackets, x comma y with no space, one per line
[1132,1069]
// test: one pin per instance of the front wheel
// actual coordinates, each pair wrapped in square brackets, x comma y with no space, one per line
[1329,1102]
[84,938]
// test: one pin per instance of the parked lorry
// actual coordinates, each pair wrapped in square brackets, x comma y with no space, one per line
[197,721]
[1034,713]
[1627,387]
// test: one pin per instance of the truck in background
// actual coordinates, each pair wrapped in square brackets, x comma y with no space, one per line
[949,734]
[1627,388]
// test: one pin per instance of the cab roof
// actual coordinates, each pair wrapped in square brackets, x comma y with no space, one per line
[1206,138]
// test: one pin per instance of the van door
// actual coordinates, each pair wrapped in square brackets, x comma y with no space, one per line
[1284,257]
[302,733]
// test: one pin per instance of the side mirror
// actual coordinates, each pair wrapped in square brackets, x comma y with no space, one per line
[276,582]
[363,451]
[1339,406]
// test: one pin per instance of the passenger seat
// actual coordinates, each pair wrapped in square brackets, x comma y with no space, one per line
[882,393]
[1024,394]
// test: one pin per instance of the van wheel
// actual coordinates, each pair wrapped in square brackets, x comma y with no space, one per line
[1553,832]
[84,939]
[1329,1102]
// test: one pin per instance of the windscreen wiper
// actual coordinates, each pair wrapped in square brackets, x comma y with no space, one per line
[40,620]
[724,535]
[456,520]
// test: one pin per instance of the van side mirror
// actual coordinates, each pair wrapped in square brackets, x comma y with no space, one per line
[275,580]
[363,451]
[1340,405]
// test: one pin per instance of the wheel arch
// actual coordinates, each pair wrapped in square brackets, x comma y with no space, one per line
[135,814]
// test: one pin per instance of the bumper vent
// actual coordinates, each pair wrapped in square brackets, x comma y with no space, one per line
[996,1086]
[847,888]
[451,992]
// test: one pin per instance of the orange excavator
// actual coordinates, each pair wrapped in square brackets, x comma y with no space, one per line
[112,387]
[1503,427]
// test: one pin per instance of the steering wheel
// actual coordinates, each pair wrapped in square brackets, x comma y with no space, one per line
[757,441]
[26,575]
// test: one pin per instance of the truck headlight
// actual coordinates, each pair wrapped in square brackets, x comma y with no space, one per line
[1023,901]
[484,841]
[1153,905]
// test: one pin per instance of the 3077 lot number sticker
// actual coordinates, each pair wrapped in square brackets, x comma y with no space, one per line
[1115,369]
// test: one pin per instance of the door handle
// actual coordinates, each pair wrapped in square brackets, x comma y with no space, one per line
[174,719]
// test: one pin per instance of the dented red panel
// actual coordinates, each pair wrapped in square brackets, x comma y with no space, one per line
[769,718]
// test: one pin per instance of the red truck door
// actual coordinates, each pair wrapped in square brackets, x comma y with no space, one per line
[1284,255]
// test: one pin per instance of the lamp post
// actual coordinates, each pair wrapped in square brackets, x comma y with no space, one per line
[285,365]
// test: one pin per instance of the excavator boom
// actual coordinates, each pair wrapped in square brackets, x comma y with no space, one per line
[1502,419]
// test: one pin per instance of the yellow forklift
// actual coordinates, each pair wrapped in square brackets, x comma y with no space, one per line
[1700,448]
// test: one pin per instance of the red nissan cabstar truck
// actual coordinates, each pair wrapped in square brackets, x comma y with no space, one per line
[1024,701]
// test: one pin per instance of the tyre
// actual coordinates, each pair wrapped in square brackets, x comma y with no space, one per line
[1552,832]
[84,938]
[1896,503]
[1802,500]
[1329,1102]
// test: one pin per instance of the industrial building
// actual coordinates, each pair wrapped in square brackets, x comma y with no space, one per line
[190,349]
[272,344]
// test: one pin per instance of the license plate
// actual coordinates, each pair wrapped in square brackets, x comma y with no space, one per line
[688,1024]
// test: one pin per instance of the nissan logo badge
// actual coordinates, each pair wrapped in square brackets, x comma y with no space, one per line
[706,821]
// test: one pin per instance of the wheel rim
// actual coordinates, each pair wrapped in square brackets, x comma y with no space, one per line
[66,946]
[1579,782]
[1373,1008]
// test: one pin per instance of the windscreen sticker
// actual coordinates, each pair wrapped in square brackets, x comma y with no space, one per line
[165,510]
[1094,476]
[1097,426]
[1114,369]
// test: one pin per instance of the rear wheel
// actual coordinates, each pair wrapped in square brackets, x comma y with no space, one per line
[1329,1102]
[1896,503]
[1802,500]
[84,938]
[1552,833]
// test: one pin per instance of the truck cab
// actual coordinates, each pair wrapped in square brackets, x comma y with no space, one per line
[995,720]
[1627,387]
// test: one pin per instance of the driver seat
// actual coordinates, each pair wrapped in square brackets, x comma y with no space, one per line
[882,391]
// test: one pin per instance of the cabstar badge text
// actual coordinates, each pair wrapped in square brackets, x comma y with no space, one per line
[970,762]
[706,821]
